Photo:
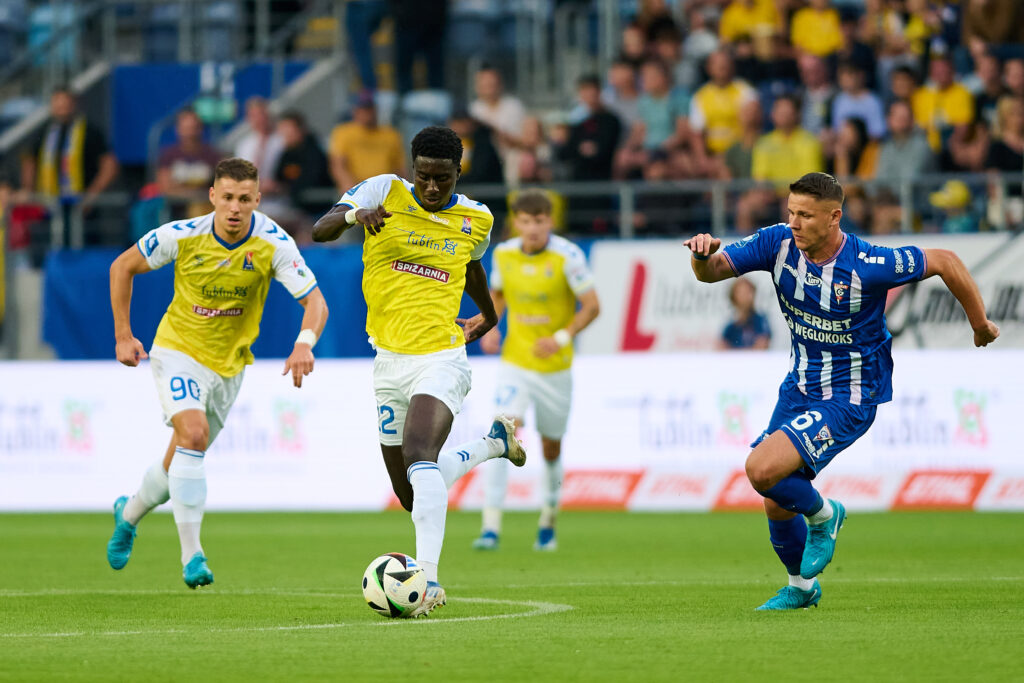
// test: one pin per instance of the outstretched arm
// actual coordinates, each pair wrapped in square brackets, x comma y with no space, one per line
[300,362]
[336,221]
[709,265]
[958,280]
[123,270]
[476,287]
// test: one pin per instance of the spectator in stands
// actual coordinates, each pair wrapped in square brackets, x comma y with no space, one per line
[504,114]
[779,156]
[815,29]
[481,162]
[990,24]
[856,101]
[658,213]
[261,145]
[699,43]
[70,162]
[667,46]
[1007,150]
[1013,77]
[634,45]
[739,159]
[663,109]
[748,329]
[942,105]
[590,148]
[362,19]
[856,152]
[655,18]
[303,166]
[854,50]
[817,95]
[902,84]
[906,153]
[757,19]
[536,155]
[968,148]
[184,171]
[622,93]
[882,28]
[954,198]
[989,88]
[419,31]
[715,112]
[362,148]
[923,23]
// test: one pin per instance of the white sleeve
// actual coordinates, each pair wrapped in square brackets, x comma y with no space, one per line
[577,272]
[495,280]
[291,270]
[696,113]
[370,193]
[481,248]
[159,246]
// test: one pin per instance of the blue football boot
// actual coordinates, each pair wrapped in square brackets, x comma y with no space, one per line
[821,542]
[119,547]
[504,428]
[546,539]
[196,573]
[792,597]
[488,541]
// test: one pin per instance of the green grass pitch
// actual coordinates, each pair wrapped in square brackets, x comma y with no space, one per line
[627,597]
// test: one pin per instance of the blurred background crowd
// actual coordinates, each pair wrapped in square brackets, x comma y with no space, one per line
[644,117]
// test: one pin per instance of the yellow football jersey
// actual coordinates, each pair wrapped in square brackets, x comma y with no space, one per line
[220,288]
[414,270]
[540,292]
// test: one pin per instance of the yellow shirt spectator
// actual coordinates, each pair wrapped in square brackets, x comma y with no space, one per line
[816,31]
[779,157]
[754,18]
[935,110]
[367,151]
[715,110]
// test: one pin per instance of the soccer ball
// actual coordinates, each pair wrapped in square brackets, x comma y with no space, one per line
[394,585]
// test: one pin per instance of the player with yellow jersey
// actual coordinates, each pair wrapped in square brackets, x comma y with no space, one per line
[223,264]
[422,250]
[545,284]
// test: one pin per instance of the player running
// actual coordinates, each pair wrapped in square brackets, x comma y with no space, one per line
[223,264]
[422,250]
[541,279]
[832,290]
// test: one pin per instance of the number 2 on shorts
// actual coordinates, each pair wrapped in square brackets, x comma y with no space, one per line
[387,416]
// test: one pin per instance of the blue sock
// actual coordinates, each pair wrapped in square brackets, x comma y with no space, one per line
[788,538]
[795,493]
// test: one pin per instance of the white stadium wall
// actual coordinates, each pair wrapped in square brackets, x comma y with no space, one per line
[648,432]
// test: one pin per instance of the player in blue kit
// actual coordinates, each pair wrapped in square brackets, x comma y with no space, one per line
[832,290]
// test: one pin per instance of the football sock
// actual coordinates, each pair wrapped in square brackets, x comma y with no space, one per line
[186,480]
[822,515]
[796,494]
[800,582]
[788,538]
[429,507]
[455,463]
[552,482]
[494,494]
[152,492]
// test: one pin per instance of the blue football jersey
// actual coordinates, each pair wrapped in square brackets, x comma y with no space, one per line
[835,310]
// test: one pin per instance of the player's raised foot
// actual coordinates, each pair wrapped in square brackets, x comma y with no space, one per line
[546,539]
[792,597]
[821,542]
[435,597]
[196,573]
[504,428]
[488,541]
[119,547]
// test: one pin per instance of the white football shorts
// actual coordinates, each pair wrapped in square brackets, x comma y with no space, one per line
[550,394]
[397,377]
[182,383]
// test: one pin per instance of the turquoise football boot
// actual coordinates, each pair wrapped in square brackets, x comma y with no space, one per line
[196,573]
[792,597]
[119,547]
[821,542]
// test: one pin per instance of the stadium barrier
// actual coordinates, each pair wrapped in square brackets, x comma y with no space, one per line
[648,432]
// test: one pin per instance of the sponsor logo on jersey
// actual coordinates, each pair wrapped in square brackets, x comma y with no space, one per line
[910,260]
[840,290]
[899,260]
[222,292]
[421,270]
[877,260]
[216,312]
[533,319]
[745,241]
[298,268]
[416,239]
[247,264]
[437,219]
[225,263]
[467,225]
[812,280]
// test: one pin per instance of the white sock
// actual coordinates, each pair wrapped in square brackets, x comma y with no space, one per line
[454,464]
[801,583]
[152,492]
[187,484]
[494,494]
[429,507]
[822,515]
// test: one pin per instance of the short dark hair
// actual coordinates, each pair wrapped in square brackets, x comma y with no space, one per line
[590,80]
[295,117]
[437,142]
[819,186]
[236,168]
[790,97]
[533,201]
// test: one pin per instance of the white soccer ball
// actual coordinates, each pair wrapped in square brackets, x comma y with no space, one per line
[394,585]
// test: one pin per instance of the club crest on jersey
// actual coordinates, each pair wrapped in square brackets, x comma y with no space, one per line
[247,264]
[824,434]
[467,225]
[840,290]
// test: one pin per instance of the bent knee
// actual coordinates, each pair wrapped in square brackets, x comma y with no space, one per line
[761,477]
[194,438]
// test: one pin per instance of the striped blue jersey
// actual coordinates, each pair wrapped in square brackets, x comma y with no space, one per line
[835,310]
